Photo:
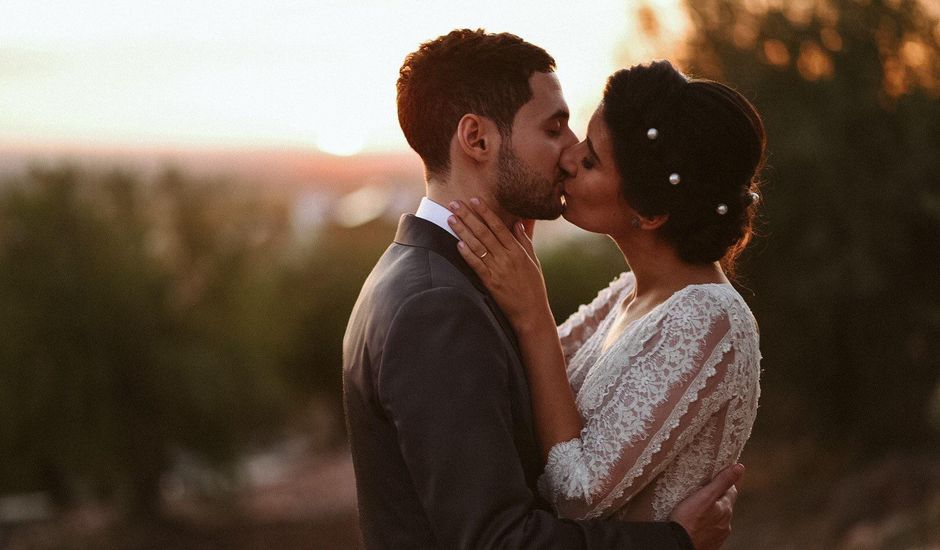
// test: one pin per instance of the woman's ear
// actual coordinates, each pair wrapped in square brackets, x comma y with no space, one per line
[652,222]
[477,137]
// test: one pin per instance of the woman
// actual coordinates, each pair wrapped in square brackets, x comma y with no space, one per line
[648,391]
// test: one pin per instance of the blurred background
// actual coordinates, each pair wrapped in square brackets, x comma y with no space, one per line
[192,194]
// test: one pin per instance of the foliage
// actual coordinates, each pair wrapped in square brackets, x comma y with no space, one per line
[137,320]
[576,271]
[143,318]
[845,279]
[323,290]
[140,317]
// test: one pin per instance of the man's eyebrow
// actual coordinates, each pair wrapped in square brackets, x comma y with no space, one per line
[560,113]
[593,152]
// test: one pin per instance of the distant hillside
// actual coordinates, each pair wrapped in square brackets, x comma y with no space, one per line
[295,169]
[345,190]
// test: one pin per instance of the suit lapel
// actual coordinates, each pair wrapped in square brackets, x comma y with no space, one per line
[415,231]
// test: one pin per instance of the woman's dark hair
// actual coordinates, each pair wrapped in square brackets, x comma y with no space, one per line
[464,71]
[708,134]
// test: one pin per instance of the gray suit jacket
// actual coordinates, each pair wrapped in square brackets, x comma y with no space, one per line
[439,419]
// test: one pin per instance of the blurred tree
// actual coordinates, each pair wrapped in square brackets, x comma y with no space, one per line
[577,270]
[323,288]
[136,320]
[845,280]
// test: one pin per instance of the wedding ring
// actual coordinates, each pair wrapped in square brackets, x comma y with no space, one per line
[484,254]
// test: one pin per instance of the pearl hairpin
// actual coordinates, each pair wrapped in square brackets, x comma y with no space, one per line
[674,179]
[722,209]
[652,133]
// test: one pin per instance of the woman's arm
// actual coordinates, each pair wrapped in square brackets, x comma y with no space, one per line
[556,417]
[646,410]
[641,411]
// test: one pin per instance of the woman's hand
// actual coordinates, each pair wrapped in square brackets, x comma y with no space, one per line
[505,261]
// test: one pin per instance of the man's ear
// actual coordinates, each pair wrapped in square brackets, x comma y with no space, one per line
[477,137]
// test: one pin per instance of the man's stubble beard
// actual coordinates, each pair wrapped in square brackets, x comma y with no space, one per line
[521,192]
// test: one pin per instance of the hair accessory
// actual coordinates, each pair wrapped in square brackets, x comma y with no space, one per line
[722,209]
[674,179]
[754,197]
[652,133]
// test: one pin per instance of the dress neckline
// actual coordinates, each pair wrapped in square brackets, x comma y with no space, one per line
[618,303]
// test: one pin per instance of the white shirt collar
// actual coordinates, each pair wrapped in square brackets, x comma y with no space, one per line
[436,214]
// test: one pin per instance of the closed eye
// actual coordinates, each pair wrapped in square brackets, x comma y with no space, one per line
[557,124]
[591,160]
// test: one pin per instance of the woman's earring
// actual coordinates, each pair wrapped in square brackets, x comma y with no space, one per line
[635,222]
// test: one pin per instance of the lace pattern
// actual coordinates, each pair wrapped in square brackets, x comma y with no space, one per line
[577,332]
[692,464]
[670,403]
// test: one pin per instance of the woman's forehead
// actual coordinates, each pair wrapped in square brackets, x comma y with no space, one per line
[597,130]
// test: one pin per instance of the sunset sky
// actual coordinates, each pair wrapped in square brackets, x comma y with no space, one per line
[274,73]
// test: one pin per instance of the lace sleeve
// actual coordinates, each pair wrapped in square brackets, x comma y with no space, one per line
[582,323]
[637,407]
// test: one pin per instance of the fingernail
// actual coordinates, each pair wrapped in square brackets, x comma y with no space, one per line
[452,220]
[475,201]
[460,245]
[520,227]
[455,205]
[739,469]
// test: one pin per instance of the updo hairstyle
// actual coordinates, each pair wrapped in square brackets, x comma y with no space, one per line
[689,148]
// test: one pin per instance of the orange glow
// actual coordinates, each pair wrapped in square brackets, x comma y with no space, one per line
[776,53]
[281,73]
[831,39]
[914,53]
[895,83]
[745,32]
[800,12]
[827,13]
[651,29]
[813,63]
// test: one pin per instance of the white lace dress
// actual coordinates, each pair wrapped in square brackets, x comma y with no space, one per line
[667,406]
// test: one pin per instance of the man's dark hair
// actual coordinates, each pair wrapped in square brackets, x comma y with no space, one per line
[464,71]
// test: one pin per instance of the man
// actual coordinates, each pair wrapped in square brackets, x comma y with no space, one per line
[436,398]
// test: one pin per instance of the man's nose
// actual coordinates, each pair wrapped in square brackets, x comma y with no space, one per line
[567,161]
[570,139]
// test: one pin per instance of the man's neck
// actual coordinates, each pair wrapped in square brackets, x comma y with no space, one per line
[445,192]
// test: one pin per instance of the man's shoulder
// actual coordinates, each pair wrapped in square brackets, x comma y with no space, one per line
[406,271]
